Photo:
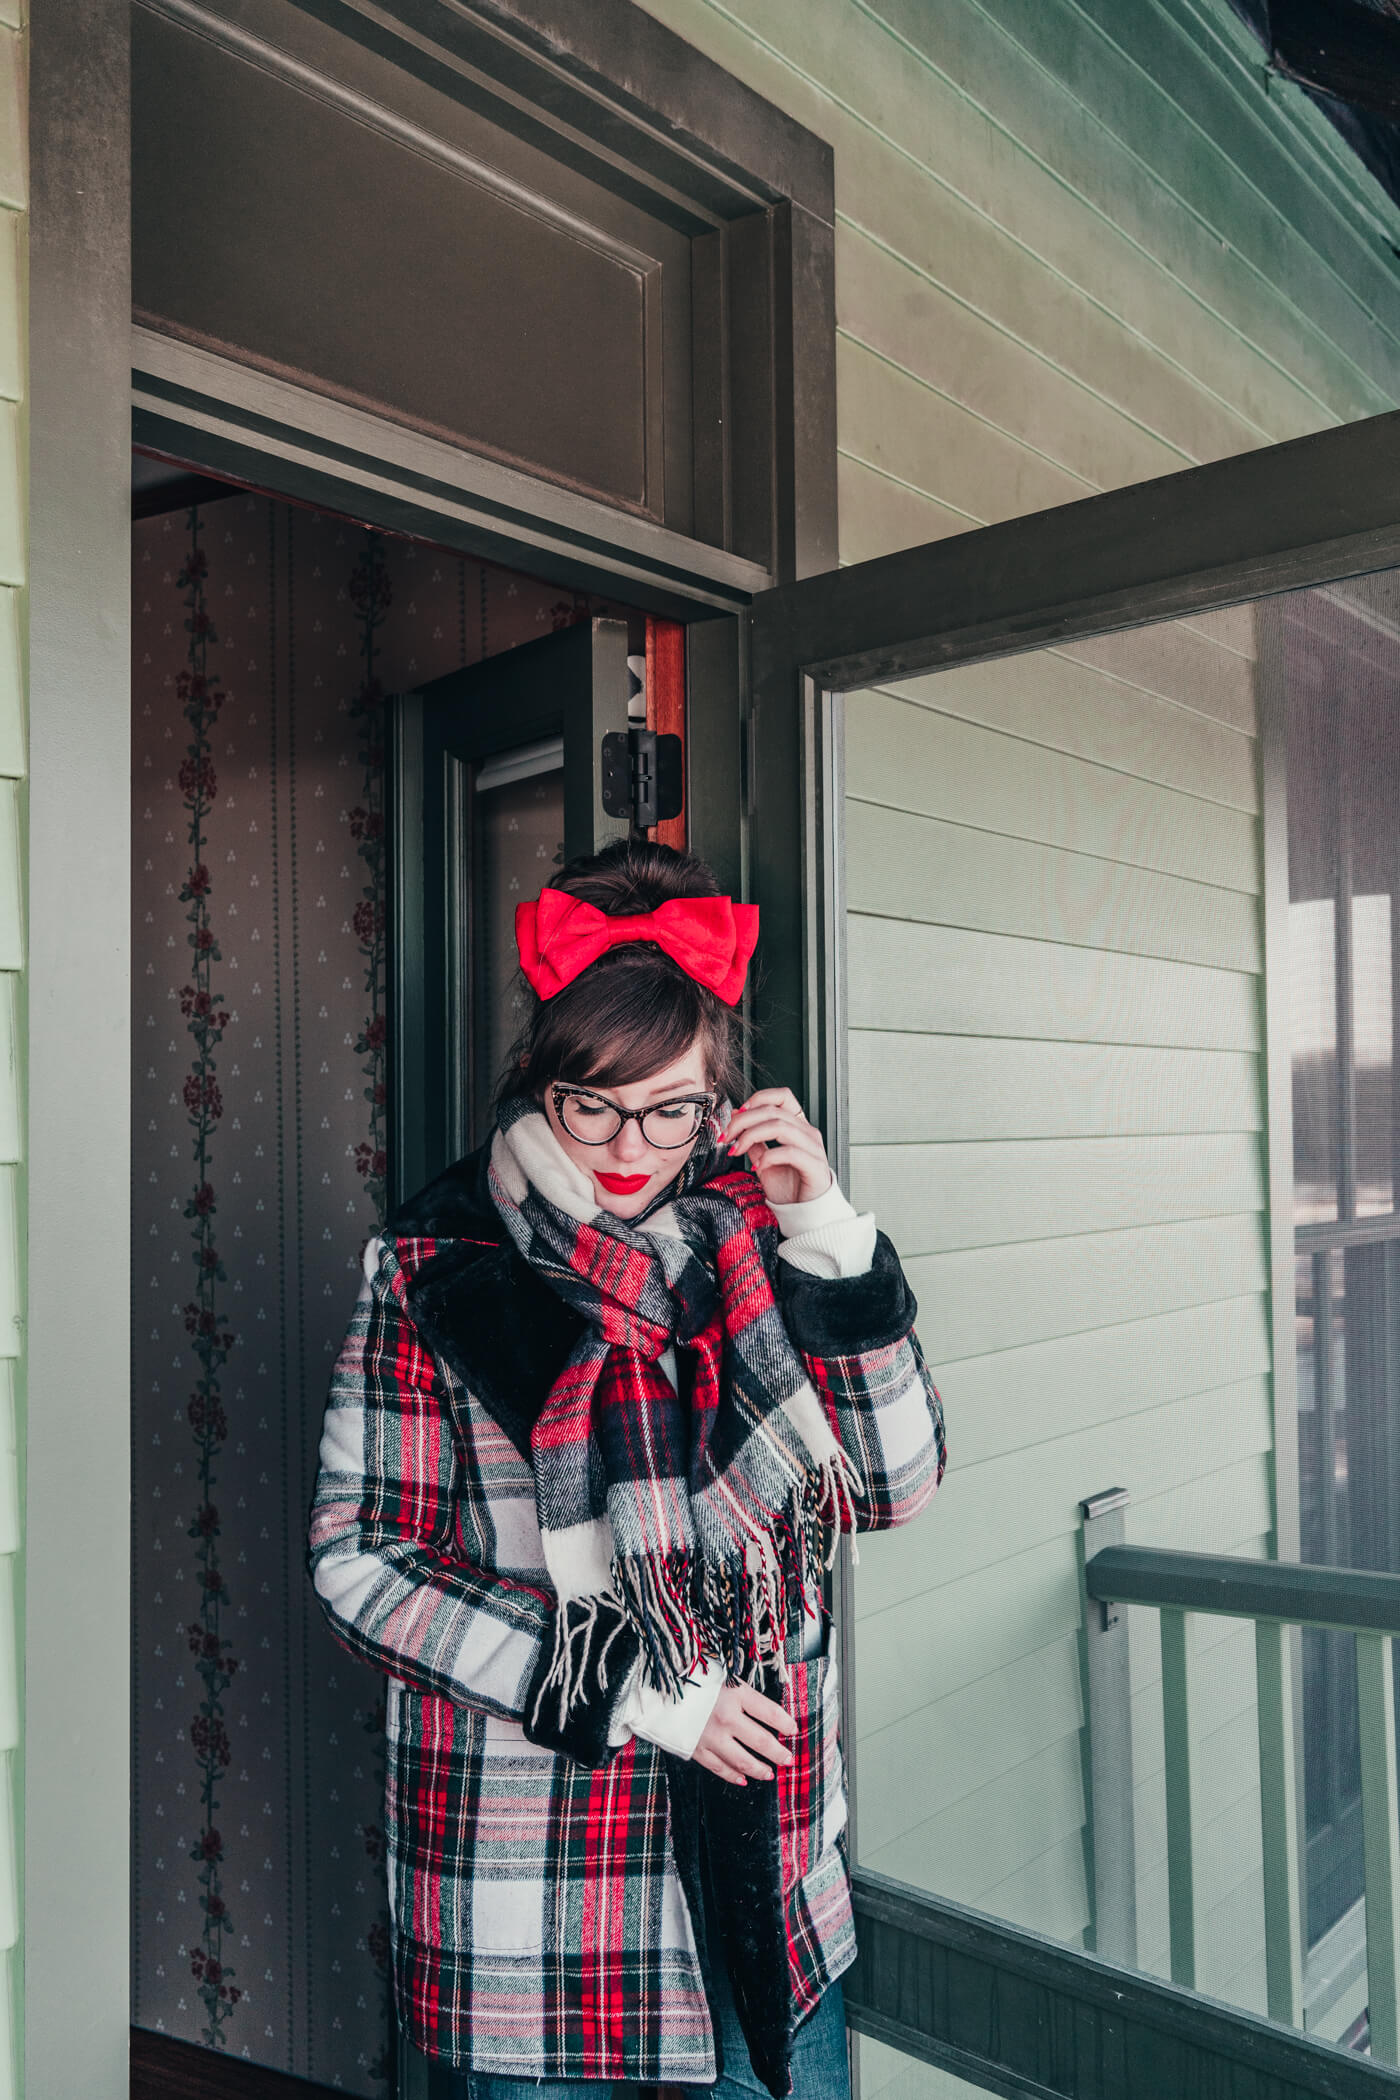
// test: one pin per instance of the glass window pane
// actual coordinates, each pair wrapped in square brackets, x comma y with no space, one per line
[1054,956]
[1312,979]
[1340,660]
[1057,1108]
[1371,938]
[1310,1441]
[519,839]
[1310,672]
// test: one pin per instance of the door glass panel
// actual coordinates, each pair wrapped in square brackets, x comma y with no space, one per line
[1057,1109]
[518,832]
[1054,958]
[1312,984]
[1340,660]
[1371,946]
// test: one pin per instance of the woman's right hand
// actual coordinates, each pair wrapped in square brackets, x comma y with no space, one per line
[743,1738]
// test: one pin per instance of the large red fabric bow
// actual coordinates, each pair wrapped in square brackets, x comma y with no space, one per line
[711,938]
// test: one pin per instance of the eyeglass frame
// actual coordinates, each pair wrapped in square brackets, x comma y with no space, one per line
[562,1088]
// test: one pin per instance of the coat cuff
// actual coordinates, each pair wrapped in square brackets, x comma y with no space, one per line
[604,1663]
[846,1315]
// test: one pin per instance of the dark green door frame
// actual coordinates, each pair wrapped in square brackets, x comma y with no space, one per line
[1007,2010]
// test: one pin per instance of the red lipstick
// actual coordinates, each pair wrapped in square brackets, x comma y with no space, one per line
[622,1184]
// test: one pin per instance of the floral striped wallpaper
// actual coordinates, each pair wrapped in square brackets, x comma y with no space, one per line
[265,639]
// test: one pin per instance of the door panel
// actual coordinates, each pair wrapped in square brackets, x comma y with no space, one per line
[496,781]
[1013,816]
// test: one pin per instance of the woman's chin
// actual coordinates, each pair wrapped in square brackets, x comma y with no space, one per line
[624,1206]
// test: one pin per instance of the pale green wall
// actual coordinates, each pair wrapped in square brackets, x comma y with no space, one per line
[13,575]
[77,1059]
[1079,243]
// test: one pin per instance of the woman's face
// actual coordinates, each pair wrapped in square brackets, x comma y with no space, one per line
[627,1173]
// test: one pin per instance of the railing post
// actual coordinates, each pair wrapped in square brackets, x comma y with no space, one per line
[1375,1687]
[1278,1799]
[1110,1746]
[1183,1881]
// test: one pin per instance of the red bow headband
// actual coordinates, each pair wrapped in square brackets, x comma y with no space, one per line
[711,938]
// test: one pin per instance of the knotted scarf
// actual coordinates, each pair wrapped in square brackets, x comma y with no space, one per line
[697,1507]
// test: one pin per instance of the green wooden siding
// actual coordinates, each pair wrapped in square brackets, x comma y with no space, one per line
[13,571]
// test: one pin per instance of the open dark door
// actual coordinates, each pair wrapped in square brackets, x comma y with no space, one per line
[1019,832]
[497,781]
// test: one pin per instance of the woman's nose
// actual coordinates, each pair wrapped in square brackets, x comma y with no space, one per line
[629,1143]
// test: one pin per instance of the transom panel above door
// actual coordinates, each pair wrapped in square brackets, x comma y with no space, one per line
[446,218]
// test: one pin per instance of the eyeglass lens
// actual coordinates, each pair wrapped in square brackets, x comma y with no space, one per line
[594,1122]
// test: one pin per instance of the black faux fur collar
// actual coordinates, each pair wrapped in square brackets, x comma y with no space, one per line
[479,1304]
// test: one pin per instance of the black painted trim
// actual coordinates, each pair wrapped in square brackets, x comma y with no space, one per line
[543,531]
[1309,511]
[1352,1599]
[1017,2014]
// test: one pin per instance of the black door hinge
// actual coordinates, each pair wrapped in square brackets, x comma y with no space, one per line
[643,776]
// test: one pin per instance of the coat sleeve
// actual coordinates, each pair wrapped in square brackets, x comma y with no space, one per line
[856,1336]
[382,1556]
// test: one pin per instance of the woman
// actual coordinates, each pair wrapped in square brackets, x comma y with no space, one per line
[613,1384]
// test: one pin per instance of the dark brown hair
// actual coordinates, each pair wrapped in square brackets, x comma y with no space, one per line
[633,1011]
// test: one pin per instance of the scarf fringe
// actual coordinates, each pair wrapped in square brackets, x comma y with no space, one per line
[839,1488]
[689,1608]
[692,1608]
[658,1596]
[576,1628]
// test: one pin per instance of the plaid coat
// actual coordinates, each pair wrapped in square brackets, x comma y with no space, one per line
[546,1917]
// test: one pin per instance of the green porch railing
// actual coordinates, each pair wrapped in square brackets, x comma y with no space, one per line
[1275,1595]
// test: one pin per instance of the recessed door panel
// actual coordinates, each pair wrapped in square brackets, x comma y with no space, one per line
[397,264]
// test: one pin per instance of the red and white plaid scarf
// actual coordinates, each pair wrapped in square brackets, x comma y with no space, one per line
[697,1506]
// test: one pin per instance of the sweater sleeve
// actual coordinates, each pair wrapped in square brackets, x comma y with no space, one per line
[672,1724]
[382,1555]
[826,1236]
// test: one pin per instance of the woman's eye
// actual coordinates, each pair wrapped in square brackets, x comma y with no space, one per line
[674,1112]
[586,1109]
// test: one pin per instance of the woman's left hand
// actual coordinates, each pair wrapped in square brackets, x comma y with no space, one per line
[783,1148]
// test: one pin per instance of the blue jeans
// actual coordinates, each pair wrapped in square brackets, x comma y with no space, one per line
[819,2066]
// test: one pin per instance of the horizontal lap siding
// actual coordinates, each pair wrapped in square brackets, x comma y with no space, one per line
[1077,245]
[1056,1110]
